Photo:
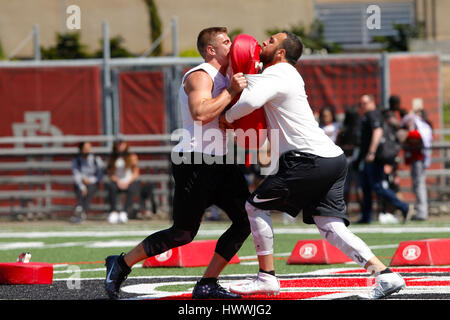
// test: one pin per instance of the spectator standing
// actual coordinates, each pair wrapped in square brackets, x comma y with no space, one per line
[349,139]
[417,147]
[123,171]
[373,171]
[87,172]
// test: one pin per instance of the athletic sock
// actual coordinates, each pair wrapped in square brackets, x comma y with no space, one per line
[387,270]
[123,265]
[272,272]
[207,281]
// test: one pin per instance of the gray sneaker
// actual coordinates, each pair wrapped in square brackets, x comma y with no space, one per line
[386,284]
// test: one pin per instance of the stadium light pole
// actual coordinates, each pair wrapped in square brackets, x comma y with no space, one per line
[107,99]
[385,81]
[36,46]
[175,36]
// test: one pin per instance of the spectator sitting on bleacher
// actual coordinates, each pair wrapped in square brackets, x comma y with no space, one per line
[123,171]
[87,170]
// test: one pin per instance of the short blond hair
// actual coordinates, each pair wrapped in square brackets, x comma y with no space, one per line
[207,37]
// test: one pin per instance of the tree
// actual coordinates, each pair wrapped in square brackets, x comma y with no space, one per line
[116,48]
[155,25]
[68,46]
[399,41]
[2,54]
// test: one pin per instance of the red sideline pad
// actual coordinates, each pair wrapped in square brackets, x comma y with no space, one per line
[198,253]
[26,273]
[427,252]
[317,251]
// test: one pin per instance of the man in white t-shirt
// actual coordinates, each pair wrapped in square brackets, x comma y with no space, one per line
[311,170]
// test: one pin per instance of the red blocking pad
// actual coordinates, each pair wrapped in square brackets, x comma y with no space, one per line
[26,273]
[198,253]
[427,252]
[244,57]
[317,251]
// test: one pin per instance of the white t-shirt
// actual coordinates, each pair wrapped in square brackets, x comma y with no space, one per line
[208,138]
[123,173]
[281,90]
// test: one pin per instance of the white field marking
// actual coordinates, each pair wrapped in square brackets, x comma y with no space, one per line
[86,244]
[323,272]
[211,232]
[137,266]
[20,245]
[151,291]
[113,244]
[123,243]
[416,290]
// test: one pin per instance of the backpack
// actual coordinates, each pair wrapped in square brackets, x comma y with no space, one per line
[413,147]
[389,146]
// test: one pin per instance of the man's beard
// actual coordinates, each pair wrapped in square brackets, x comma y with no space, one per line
[266,59]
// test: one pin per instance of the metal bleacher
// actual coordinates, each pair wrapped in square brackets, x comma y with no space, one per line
[36,178]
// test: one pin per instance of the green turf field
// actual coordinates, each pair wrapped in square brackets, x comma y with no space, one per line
[81,249]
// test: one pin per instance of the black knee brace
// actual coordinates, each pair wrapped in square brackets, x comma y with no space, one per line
[231,241]
[164,240]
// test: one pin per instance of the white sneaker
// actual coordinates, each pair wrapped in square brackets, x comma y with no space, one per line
[386,284]
[113,217]
[123,217]
[263,283]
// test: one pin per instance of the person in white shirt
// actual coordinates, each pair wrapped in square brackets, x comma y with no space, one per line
[123,172]
[311,170]
[418,156]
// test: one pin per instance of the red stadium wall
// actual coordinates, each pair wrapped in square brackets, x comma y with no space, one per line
[142,102]
[71,95]
[52,101]
[414,77]
[339,82]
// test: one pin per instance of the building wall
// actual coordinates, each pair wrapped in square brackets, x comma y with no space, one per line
[252,16]
[130,19]
[127,18]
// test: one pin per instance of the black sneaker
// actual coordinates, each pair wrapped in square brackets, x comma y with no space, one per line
[212,291]
[115,276]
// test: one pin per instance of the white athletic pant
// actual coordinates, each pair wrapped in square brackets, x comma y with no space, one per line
[331,228]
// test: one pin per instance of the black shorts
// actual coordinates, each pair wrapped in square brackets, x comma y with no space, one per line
[198,186]
[305,182]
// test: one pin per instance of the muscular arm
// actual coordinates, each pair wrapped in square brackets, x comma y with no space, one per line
[261,89]
[203,107]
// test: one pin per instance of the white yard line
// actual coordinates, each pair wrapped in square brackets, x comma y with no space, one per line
[207,232]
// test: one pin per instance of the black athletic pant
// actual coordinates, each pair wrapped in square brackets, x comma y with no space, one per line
[197,187]
[131,192]
[84,201]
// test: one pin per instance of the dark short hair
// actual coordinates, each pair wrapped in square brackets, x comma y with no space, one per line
[81,145]
[394,102]
[206,37]
[293,46]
